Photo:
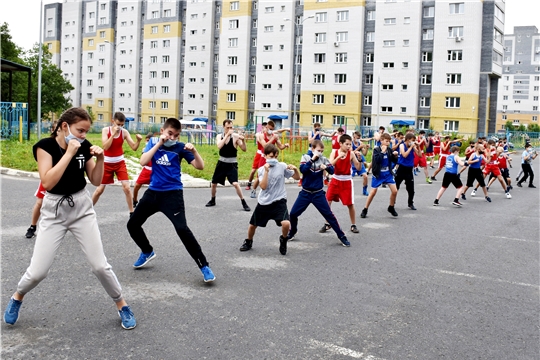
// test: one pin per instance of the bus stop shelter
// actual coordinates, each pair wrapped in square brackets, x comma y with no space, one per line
[11,67]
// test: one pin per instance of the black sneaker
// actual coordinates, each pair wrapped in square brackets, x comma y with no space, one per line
[283,245]
[244,205]
[463,197]
[211,203]
[457,203]
[344,241]
[325,228]
[519,185]
[31,232]
[532,186]
[488,199]
[135,202]
[436,202]
[412,207]
[363,214]
[433,178]
[392,211]
[354,229]
[246,245]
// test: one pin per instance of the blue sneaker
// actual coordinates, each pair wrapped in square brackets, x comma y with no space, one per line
[344,241]
[365,192]
[128,320]
[144,259]
[208,274]
[12,311]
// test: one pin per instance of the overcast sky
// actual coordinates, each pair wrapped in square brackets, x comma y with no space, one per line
[23,17]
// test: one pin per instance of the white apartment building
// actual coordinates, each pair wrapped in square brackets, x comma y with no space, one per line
[519,87]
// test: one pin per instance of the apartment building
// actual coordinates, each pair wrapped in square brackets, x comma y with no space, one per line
[360,63]
[519,87]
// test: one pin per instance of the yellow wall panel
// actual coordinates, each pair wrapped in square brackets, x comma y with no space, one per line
[176,30]
[86,43]
[351,109]
[240,106]
[158,112]
[466,114]
[331,4]
[54,46]
[244,8]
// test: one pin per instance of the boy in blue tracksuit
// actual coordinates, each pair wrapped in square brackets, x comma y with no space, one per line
[165,194]
[312,167]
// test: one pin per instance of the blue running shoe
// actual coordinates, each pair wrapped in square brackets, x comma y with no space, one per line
[208,274]
[344,241]
[144,259]
[128,320]
[12,311]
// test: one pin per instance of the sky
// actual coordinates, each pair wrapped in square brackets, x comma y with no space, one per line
[24,20]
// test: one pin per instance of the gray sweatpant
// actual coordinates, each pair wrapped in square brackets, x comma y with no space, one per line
[78,216]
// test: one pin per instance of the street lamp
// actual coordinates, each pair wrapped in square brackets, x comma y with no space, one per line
[295,59]
[113,71]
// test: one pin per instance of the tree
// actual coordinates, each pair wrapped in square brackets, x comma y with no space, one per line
[12,52]
[521,128]
[533,128]
[509,126]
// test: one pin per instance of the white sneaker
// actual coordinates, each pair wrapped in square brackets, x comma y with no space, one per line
[253,194]
[473,193]
[508,196]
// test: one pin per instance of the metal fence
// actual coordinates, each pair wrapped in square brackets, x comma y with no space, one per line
[14,120]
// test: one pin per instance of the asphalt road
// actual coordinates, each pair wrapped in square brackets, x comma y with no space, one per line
[439,282]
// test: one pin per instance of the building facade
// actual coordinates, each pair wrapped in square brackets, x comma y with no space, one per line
[519,87]
[336,62]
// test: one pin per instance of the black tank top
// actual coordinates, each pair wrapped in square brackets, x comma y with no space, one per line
[228,150]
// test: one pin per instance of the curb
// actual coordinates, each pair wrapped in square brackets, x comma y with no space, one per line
[187,181]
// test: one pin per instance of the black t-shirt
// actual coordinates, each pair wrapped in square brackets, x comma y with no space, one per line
[72,179]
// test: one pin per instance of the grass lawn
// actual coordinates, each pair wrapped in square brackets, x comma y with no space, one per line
[19,156]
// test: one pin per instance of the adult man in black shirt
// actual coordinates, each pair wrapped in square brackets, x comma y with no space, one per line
[227,166]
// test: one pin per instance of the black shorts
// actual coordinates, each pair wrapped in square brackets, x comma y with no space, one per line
[453,179]
[225,170]
[276,211]
[475,174]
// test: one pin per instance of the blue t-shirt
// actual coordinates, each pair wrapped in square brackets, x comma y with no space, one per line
[477,164]
[385,163]
[406,161]
[166,169]
[451,164]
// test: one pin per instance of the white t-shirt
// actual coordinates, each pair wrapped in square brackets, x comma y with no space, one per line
[275,189]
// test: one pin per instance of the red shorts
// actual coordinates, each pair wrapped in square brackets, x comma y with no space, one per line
[256,160]
[341,190]
[40,192]
[442,161]
[437,150]
[491,168]
[144,176]
[262,161]
[430,154]
[110,169]
[420,160]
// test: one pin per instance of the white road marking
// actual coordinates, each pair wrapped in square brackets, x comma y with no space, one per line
[515,239]
[375,225]
[485,278]
[342,351]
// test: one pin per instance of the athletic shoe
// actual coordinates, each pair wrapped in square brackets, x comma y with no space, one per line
[428,180]
[344,241]
[532,186]
[431,166]
[456,202]
[144,259]
[253,194]
[290,237]
[325,228]
[392,211]
[135,202]
[283,245]
[365,192]
[433,178]
[208,275]
[246,245]
[383,185]
[248,186]
[508,196]
[211,203]
[412,207]
[363,214]
[463,197]
[245,205]
[487,188]
[488,199]
[128,320]
[436,202]
[31,232]
[473,193]
[415,172]
[519,185]
[12,311]
[354,229]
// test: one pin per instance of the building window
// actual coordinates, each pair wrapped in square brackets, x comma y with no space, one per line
[429,11]
[89,96]
[406,20]
[427,56]
[321,17]
[268,47]
[388,65]
[233,42]
[366,120]
[451,125]
[370,36]
[423,124]
[343,15]
[404,87]
[371,15]
[368,79]
[153,44]
[231,97]
[340,78]
[425,101]
[453,102]
[154,29]
[90,29]
[164,89]
[370,57]
[267,86]
[457,8]
[268,29]
[266,105]
[320,37]
[386,109]
[455,55]
[101,75]
[166,43]
[320,58]
[387,87]
[317,119]
[339,99]
[166,28]
[165,58]
[233,24]
[453,79]
[251,98]
[89,69]
[90,42]
[231,79]
[389,43]
[164,74]
[425,79]
[455,31]
[497,36]
[233,60]
[91,15]
[390,21]
[192,64]
[427,34]
[230,115]
[101,89]
[342,36]
[338,120]
[341,57]
[167,13]
[318,98]
[269,9]
[318,78]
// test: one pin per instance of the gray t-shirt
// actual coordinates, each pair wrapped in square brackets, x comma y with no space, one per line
[275,190]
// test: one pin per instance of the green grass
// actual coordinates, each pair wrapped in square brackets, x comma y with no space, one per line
[19,156]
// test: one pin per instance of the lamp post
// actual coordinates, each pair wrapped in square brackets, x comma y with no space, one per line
[40,56]
[295,59]
[113,45]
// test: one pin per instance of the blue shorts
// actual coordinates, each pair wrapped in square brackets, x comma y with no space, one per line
[360,172]
[385,177]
